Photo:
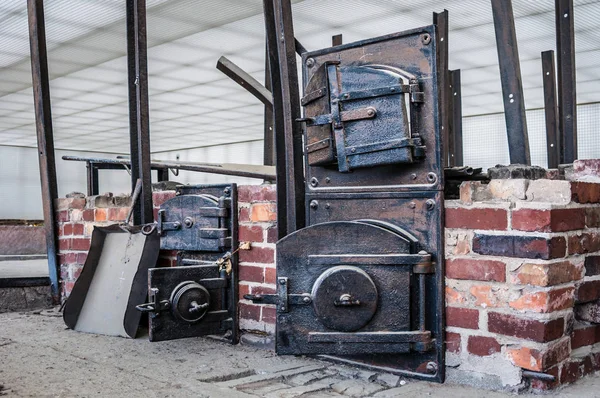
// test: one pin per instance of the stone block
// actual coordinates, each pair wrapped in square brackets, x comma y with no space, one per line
[541,331]
[549,191]
[510,190]
[516,171]
[476,269]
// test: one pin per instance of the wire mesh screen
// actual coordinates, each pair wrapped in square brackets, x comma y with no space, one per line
[485,143]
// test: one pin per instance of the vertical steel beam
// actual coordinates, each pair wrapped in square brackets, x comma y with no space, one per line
[550,109]
[512,85]
[286,109]
[567,104]
[45,137]
[456,124]
[269,144]
[162,174]
[440,20]
[139,124]
[336,40]
[92,179]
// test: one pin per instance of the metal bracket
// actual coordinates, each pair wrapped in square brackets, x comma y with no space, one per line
[282,299]
[166,226]
[154,307]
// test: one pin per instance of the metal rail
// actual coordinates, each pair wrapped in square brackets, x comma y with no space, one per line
[45,136]
[232,169]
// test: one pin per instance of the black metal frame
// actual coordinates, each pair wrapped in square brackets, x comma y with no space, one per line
[550,109]
[139,122]
[567,87]
[455,123]
[512,85]
[45,137]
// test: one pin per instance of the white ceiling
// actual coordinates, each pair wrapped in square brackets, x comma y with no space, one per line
[193,105]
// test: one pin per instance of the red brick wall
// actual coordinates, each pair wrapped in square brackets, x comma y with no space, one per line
[520,255]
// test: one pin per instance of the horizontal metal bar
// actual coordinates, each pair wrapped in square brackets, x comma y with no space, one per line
[357,259]
[245,80]
[233,169]
[538,375]
[370,337]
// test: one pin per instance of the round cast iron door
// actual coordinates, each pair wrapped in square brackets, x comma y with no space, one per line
[344,298]
[190,301]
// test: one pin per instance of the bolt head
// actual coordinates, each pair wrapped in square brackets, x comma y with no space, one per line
[310,62]
[282,282]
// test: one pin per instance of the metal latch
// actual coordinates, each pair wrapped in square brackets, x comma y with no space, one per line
[166,226]
[282,299]
[154,307]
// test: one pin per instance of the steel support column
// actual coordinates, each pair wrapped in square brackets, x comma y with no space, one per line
[441,21]
[139,124]
[456,156]
[512,85]
[45,137]
[550,109]
[567,104]
[269,134]
[286,109]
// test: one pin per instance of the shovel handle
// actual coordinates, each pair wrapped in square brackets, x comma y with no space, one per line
[134,198]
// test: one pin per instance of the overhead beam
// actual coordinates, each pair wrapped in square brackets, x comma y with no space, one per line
[45,137]
[245,80]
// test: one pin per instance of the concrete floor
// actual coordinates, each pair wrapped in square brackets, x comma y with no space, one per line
[40,357]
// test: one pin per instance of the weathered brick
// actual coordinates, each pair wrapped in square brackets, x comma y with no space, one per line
[484,296]
[547,274]
[592,217]
[539,361]
[588,291]
[80,244]
[575,369]
[257,193]
[88,215]
[588,312]
[78,229]
[115,213]
[519,246]
[586,169]
[545,301]
[592,265]
[476,218]
[263,255]
[244,214]
[81,258]
[585,192]
[67,229]
[549,191]
[483,346]
[509,189]
[554,220]
[64,244]
[582,243]
[253,233]
[62,216]
[263,212]
[270,275]
[462,317]
[250,273]
[583,335]
[453,342]
[476,269]
[454,297]
[529,329]
[160,197]
[272,236]
[268,314]
[249,311]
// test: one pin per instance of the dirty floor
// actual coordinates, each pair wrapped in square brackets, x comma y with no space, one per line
[39,357]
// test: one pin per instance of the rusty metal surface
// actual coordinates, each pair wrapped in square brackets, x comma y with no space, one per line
[550,109]
[363,282]
[45,136]
[567,87]
[512,84]
[139,122]
[440,20]
[199,296]
[288,139]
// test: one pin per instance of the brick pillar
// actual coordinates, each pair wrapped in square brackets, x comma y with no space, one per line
[258,225]
[519,255]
